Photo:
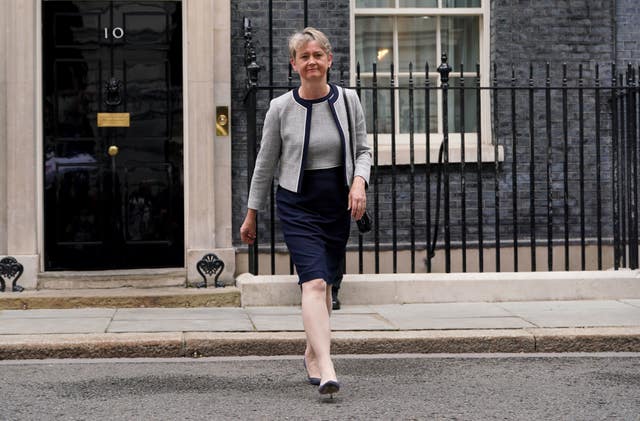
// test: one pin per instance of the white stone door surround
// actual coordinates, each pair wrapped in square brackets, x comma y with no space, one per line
[207,166]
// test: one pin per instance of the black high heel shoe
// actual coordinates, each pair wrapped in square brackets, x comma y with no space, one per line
[312,380]
[329,388]
[335,302]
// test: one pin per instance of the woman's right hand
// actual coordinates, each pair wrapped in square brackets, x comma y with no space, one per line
[248,228]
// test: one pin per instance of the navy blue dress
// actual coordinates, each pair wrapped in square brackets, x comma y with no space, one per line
[316,223]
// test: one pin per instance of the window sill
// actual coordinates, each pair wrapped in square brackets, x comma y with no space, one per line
[403,150]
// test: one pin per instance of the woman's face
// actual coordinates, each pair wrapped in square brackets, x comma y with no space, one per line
[311,62]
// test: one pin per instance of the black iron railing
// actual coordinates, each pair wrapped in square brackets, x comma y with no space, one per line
[563,175]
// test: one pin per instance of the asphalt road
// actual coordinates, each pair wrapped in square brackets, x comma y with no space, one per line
[442,387]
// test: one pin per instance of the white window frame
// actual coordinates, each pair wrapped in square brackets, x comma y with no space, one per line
[403,139]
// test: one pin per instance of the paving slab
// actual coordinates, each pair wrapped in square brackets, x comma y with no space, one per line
[273,311]
[180,320]
[32,326]
[181,325]
[575,313]
[355,309]
[444,310]
[359,321]
[278,322]
[346,309]
[57,314]
[290,319]
[449,316]
[132,314]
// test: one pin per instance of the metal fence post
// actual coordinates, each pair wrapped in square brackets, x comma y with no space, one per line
[252,70]
[444,69]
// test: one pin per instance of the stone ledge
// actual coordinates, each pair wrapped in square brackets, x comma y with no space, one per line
[106,345]
[282,290]
[618,339]
[209,344]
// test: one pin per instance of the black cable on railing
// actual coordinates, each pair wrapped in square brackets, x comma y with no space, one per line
[427,169]
[432,241]
[532,172]
[431,250]
[444,69]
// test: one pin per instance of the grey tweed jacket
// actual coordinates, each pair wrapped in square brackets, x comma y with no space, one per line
[285,139]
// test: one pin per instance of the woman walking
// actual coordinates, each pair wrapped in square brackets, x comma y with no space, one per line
[322,178]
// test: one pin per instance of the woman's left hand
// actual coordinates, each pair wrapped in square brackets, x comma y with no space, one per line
[357,198]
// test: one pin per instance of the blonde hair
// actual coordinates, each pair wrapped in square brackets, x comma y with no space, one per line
[309,33]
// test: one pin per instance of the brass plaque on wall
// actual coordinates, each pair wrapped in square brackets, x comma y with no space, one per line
[113,120]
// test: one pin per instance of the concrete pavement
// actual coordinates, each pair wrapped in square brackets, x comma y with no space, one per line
[469,327]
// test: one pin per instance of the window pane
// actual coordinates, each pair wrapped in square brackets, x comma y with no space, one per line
[375,3]
[470,106]
[419,96]
[416,41]
[383,101]
[374,42]
[460,40]
[461,3]
[418,3]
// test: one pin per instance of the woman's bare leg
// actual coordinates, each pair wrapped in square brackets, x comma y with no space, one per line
[309,354]
[316,296]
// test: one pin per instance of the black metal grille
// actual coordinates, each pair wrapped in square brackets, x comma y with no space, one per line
[568,177]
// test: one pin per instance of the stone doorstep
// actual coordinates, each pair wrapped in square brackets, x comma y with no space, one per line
[210,344]
[121,298]
[135,278]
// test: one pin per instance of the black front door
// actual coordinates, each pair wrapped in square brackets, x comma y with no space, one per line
[112,111]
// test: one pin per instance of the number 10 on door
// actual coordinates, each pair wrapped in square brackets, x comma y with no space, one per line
[116,32]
